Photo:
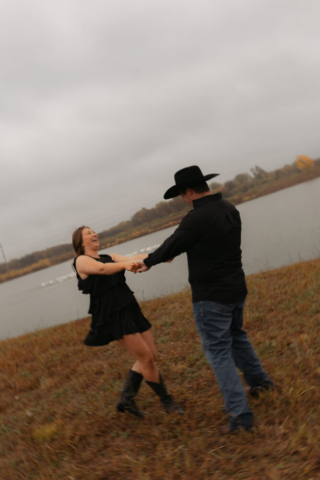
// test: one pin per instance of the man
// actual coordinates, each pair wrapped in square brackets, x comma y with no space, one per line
[210,234]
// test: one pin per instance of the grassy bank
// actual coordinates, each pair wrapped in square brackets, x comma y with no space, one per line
[57,415]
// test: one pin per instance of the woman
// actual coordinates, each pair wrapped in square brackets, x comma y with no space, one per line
[116,315]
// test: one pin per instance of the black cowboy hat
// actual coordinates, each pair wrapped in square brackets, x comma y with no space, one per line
[186,177]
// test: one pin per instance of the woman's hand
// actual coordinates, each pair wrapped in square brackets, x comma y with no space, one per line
[131,266]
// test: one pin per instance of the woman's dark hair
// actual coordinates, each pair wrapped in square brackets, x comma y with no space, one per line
[200,187]
[77,240]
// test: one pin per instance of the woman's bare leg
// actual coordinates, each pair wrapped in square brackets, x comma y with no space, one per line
[142,347]
[148,338]
[145,364]
[136,367]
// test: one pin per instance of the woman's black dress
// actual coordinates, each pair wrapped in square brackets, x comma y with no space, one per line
[114,309]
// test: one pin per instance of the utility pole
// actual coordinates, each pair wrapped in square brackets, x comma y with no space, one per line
[4,258]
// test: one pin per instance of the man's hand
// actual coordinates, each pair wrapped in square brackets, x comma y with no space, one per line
[131,266]
[142,267]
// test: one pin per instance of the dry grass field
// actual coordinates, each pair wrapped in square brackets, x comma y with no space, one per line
[57,397]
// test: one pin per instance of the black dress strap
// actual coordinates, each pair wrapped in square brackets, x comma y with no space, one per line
[73,266]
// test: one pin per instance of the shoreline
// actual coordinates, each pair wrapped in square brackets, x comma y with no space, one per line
[186,291]
[171,221]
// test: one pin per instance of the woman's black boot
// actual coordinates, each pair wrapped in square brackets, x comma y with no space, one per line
[130,389]
[167,401]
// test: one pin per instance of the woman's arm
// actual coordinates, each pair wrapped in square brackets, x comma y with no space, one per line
[121,258]
[88,266]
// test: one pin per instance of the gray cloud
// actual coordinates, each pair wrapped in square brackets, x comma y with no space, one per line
[100,103]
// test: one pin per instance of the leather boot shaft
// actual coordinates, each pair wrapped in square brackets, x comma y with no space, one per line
[130,389]
[166,399]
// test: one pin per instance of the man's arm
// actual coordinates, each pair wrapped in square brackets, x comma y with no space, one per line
[183,238]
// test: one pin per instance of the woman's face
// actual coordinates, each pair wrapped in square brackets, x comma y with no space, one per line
[90,240]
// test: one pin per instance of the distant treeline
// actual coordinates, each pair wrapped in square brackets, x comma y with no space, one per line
[242,188]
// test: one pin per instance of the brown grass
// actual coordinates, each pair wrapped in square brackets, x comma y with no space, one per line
[57,403]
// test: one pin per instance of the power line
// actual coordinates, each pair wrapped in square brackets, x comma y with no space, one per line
[5,260]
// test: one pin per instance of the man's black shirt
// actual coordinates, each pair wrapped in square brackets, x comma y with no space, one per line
[211,236]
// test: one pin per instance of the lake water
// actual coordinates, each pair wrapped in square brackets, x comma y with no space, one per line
[278,229]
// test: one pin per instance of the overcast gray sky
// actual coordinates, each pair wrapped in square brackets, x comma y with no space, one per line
[101,102]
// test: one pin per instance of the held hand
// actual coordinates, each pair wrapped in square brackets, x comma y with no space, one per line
[141,267]
[131,266]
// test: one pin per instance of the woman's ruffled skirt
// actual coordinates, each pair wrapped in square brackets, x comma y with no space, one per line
[126,321]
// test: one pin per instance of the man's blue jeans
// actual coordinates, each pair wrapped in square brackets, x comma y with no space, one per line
[226,347]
